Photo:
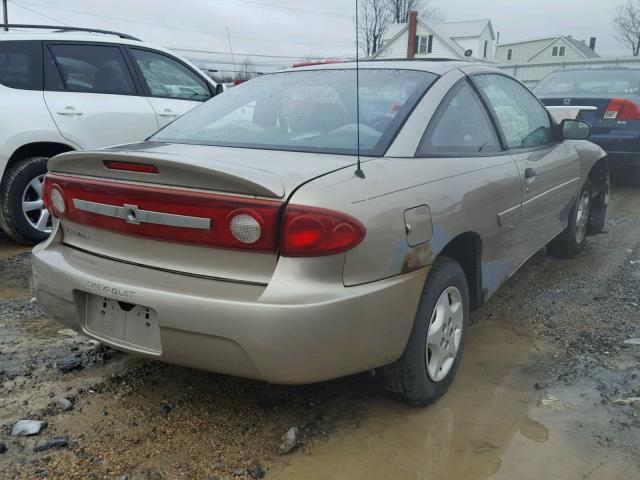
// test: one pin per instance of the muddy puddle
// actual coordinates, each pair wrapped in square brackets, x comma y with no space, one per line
[499,420]
[9,248]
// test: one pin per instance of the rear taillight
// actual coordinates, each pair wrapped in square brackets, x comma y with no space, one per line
[622,109]
[53,198]
[200,218]
[311,231]
[168,214]
[131,167]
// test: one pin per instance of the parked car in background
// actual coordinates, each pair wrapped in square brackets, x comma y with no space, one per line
[267,234]
[69,90]
[615,94]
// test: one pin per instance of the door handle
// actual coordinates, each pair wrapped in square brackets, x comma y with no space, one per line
[69,111]
[167,113]
[530,174]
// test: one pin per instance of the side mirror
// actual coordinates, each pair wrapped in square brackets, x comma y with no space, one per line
[219,88]
[575,130]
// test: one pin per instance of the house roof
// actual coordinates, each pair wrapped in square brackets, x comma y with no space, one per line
[394,31]
[580,46]
[472,28]
[437,29]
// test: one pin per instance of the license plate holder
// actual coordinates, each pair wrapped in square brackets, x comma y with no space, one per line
[123,324]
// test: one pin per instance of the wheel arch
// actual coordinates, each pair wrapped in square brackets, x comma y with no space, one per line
[600,186]
[466,249]
[37,149]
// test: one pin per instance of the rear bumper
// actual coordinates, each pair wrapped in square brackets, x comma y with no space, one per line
[295,330]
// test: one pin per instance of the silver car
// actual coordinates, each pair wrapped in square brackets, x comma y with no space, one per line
[246,238]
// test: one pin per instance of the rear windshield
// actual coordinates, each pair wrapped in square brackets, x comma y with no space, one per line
[310,111]
[617,82]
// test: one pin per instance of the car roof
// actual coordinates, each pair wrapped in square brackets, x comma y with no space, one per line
[75,36]
[439,66]
[71,36]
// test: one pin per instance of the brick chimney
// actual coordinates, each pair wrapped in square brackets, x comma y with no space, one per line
[411,40]
[592,43]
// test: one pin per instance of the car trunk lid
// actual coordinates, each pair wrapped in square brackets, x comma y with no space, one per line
[171,206]
[601,119]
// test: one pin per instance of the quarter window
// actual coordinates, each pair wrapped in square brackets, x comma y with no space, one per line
[461,126]
[524,121]
[92,68]
[21,65]
[170,79]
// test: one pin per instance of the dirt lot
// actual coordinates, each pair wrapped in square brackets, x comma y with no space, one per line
[549,388]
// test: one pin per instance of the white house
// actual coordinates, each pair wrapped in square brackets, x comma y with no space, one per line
[423,39]
[558,48]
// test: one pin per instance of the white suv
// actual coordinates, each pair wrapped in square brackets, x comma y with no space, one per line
[67,90]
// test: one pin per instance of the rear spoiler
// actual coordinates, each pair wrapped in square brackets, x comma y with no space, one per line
[568,112]
[178,171]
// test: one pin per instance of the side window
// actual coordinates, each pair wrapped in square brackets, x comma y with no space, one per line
[524,121]
[169,78]
[21,64]
[92,68]
[461,126]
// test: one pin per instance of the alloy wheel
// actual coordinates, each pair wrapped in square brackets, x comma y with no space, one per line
[582,216]
[33,206]
[444,334]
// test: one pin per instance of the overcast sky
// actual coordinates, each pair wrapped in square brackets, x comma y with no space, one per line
[266,29]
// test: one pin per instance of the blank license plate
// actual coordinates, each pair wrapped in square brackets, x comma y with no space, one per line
[124,324]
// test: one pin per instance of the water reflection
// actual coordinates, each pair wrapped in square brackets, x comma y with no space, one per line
[462,436]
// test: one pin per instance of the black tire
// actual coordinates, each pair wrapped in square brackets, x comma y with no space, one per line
[12,218]
[408,377]
[567,245]
[598,214]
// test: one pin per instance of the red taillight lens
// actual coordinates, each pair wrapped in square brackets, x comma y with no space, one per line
[311,231]
[131,167]
[622,109]
[230,222]
[53,198]
[45,190]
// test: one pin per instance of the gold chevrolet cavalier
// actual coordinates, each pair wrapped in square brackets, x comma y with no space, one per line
[318,222]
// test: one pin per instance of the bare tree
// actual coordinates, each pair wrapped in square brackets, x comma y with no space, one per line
[246,70]
[400,10]
[627,24]
[374,16]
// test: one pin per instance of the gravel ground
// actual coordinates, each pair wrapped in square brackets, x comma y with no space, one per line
[559,370]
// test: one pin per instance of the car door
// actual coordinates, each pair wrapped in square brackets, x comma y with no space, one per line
[173,87]
[462,142]
[549,169]
[93,97]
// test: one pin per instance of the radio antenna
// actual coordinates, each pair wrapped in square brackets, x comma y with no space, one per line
[359,172]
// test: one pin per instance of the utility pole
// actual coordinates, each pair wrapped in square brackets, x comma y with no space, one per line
[5,15]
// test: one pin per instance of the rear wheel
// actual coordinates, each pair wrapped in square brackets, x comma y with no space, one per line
[431,358]
[23,215]
[571,240]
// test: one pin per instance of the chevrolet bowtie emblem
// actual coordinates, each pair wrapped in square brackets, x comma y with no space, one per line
[131,212]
